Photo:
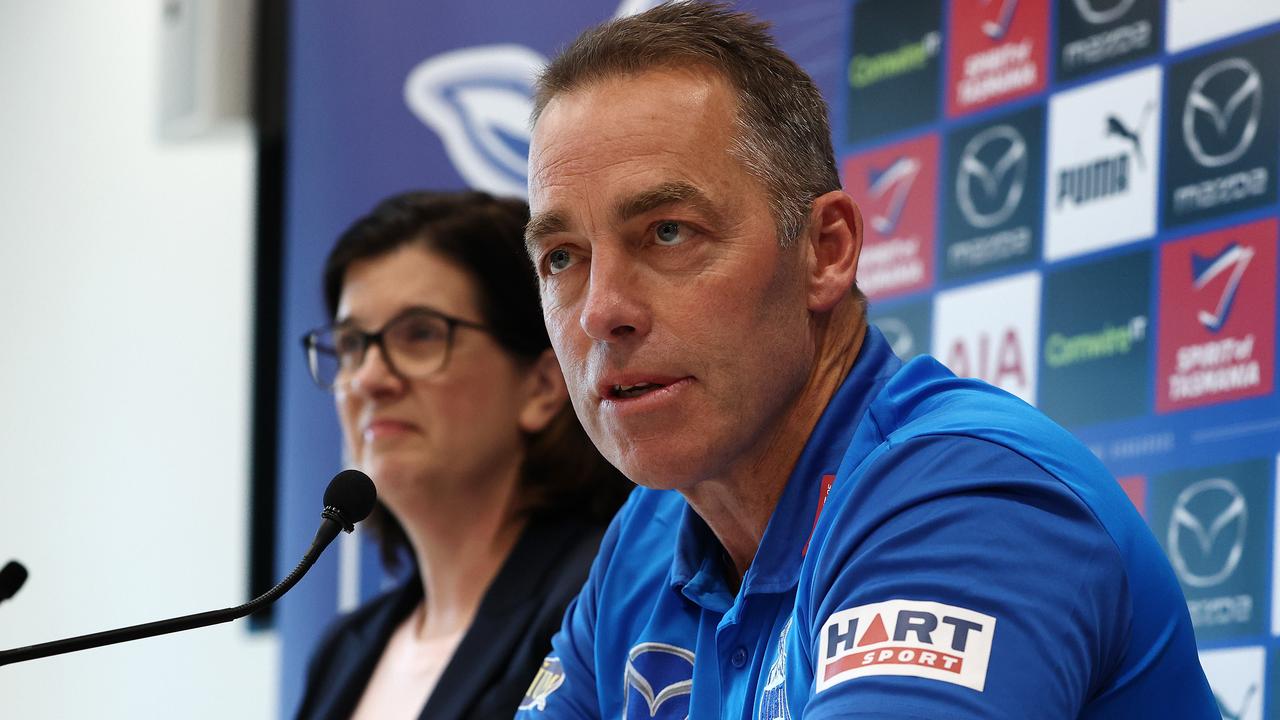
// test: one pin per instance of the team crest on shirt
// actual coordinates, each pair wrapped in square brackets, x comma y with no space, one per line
[659,680]
[773,698]
[909,638]
[549,679]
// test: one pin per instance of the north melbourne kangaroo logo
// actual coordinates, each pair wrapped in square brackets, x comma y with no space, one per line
[1215,143]
[894,182]
[478,100]
[1234,258]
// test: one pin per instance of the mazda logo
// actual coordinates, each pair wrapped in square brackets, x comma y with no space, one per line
[978,181]
[1207,510]
[1102,17]
[1239,74]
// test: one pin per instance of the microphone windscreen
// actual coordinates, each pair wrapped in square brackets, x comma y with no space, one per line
[11,579]
[351,493]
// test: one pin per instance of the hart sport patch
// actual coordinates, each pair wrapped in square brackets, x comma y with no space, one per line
[908,638]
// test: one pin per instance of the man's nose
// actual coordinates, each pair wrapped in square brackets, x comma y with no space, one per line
[615,309]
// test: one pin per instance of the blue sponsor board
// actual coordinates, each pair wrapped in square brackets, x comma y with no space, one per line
[1097,34]
[1095,332]
[895,69]
[906,325]
[1214,525]
[993,190]
[1222,132]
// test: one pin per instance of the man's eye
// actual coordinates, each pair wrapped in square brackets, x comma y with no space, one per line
[669,232]
[559,260]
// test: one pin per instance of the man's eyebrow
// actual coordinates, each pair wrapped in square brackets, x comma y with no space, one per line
[540,226]
[669,193]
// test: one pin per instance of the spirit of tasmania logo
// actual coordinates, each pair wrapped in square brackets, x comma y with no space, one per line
[897,189]
[998,52]
[906,638]
[1217,317]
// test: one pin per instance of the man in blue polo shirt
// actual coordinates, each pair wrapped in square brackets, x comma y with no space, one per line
[820,531]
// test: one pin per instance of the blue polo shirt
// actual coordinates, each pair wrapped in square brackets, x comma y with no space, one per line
[941,550]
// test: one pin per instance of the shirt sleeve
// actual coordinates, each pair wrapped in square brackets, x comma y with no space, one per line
[565,686]
[954,578]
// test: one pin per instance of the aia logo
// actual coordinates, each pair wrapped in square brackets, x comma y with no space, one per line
[990,331]
[906,638]
[994,357]
[1232,262]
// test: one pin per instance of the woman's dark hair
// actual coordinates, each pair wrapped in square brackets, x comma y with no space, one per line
[483,235]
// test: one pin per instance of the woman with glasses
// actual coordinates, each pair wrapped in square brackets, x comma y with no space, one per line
[450,398]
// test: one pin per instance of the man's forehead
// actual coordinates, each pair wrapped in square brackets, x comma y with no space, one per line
[623,206]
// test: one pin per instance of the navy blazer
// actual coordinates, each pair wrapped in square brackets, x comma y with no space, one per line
[499,654]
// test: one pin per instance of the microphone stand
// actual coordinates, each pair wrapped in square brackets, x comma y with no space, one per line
[332,523]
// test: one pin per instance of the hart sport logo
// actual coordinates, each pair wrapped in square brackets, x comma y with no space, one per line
[895,68]
[1098,34]
[896,187]
[1212,523]
[659,679]
[906,638]
[998,52]
[1195,22]
[1221,132]
[1104,141]
[989,331]
[992,207]
[1096,335]
[1217,317]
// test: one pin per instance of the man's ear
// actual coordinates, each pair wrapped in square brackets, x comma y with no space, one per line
[545,393]
[835,242]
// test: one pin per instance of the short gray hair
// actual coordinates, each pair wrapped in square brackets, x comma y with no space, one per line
[783,138]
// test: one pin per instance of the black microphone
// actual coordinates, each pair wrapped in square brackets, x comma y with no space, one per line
[11,579]
[348,500]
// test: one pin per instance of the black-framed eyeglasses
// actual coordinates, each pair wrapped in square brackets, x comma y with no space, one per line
[414,344]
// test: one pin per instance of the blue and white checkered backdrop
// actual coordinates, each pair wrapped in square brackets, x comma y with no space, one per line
[1075,200]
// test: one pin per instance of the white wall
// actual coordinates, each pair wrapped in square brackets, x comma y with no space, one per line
[125,268]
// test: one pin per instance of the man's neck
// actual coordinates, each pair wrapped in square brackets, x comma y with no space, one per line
[738,504]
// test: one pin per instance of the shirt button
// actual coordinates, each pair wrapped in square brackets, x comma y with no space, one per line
[739,658]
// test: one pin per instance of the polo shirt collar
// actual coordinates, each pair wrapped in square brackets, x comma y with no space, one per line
[697,569]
